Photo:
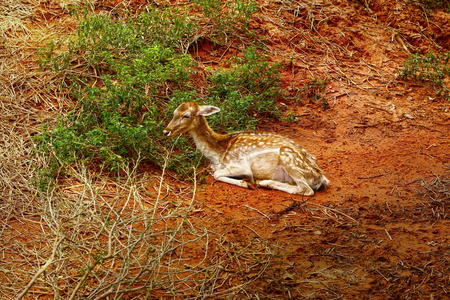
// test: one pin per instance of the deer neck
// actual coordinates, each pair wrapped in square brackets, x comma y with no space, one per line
[211,144]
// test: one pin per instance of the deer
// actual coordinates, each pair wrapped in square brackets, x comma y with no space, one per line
[246,158]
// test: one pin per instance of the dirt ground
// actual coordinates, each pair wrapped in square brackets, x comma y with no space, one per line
[381,230]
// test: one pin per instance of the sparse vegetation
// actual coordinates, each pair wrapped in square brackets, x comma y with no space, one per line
[226,17]
[432,69]
[315,91]
[430,4]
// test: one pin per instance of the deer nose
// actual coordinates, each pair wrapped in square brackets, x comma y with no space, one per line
[166,132]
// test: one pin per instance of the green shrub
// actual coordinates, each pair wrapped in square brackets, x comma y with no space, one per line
[227,16]
[314,90]
[141,75]
[245,91]
[430,4]
[431,68]
[121,116]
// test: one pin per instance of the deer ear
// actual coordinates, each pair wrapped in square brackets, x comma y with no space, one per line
[206,110]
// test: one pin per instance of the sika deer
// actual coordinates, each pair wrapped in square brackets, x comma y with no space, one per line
[270,160]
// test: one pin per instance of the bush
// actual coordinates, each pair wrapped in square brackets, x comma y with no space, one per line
[430,4]
[315,90]
[121,115]
[246,91]
[227,16]
[431,69]
[141,75]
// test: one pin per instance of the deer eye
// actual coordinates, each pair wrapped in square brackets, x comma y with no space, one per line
[187,116]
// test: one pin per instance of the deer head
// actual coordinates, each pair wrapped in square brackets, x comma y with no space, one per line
[187,117]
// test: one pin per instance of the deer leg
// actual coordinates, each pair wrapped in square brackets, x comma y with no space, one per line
[233,174]
[297,166]
[283,181]
[289,174]
[298,189]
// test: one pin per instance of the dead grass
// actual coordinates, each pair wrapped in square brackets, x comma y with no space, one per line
[102,237]
[436,195]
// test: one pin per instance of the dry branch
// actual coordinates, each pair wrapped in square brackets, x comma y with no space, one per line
[50,260]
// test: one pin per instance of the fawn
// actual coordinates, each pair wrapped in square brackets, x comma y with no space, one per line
[269,160]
